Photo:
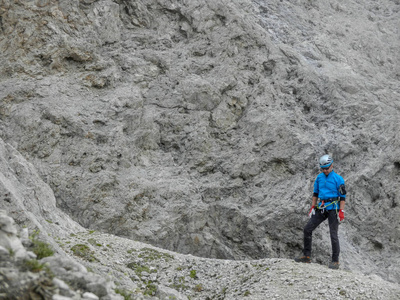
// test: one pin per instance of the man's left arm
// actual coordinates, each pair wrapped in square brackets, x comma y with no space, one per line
[341,210]
[342,204]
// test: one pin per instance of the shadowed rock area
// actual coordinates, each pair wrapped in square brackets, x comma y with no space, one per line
[196,126]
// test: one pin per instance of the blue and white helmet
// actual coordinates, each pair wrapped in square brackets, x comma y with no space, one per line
[325,161]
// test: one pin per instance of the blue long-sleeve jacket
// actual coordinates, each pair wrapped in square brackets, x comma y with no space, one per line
[327,187]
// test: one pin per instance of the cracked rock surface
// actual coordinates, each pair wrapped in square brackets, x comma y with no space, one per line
[196,126]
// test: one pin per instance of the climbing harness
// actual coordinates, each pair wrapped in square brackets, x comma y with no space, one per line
[323,206]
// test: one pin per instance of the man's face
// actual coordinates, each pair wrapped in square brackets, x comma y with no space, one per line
[326,171]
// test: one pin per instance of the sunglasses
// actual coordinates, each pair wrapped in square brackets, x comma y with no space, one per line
[325,169]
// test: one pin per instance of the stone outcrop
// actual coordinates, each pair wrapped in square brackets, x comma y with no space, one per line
[124,269]
[57,278]
[9,239]
[196,125]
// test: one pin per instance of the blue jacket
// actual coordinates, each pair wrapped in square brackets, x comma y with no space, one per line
[328,187]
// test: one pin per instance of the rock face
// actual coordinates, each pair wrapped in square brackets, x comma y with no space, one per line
[23,277]
[196,126]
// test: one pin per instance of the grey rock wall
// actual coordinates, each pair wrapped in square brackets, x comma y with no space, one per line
[196,126]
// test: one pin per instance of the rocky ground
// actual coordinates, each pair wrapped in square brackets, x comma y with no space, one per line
[201,278]
[103,266]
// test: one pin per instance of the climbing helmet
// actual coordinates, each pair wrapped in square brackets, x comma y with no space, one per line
[325,161]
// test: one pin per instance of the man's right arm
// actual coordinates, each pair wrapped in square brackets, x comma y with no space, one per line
[314,200]
[313,204]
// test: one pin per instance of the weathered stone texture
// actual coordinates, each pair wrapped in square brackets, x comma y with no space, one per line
[197,125]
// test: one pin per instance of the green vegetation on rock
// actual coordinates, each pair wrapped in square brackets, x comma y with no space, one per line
[84,252]
[40,248]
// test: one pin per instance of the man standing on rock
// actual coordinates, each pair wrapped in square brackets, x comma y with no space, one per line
[329,194]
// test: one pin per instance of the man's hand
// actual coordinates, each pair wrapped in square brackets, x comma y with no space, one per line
[341,215]
[312,211]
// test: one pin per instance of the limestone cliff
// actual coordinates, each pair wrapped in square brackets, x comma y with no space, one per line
[196,126]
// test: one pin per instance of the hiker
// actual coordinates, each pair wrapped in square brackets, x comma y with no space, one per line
[328,202]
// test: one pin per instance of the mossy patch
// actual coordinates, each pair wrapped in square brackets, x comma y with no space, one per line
[193,274]
[35,266]
[198,288]
[247,293]
[93,242]
[179,284]
[84,252]
[124,293]
[40,248]
[150,289]
[148,254]
[139,268]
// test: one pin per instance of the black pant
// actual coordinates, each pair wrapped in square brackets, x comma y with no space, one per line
[313,223]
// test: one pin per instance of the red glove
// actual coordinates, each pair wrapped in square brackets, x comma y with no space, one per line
[312,212]
[341,215]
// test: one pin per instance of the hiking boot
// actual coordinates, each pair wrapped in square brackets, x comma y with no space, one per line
[334,265]
[303,259]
